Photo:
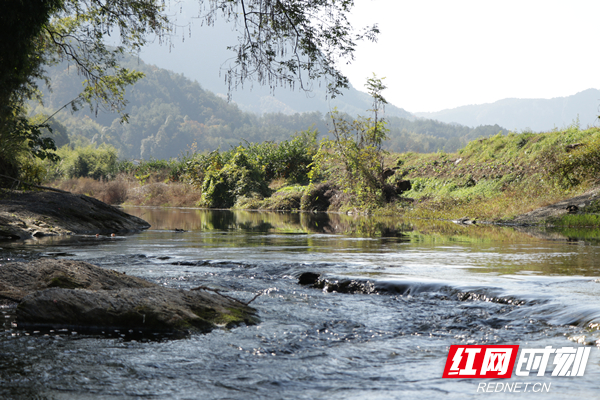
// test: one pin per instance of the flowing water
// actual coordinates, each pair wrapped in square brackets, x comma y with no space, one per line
[423,287]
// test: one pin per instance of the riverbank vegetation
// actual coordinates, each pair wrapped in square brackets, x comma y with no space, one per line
[492,179]
[503,176]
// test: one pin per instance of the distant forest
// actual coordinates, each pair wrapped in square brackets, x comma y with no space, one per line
[170,114]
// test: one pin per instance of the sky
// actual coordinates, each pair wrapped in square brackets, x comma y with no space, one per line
[444,54]
[437,55]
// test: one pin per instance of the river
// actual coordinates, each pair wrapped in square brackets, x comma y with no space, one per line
[428,285]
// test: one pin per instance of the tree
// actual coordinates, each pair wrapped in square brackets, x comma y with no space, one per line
[20,65]
[281,42]
[357,149]
[34,33]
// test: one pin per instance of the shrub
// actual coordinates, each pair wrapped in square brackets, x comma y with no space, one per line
[195,167]
[285,201]
[290,160]
[91,162]
[239,178]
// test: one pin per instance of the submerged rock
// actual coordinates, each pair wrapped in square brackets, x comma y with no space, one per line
[308,278]
[464,221]
[57,294]
[353,286]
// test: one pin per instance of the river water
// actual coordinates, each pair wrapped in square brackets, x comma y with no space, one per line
[429,285]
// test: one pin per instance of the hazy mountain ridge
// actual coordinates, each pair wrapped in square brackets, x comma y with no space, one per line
[537,115]
[204,57]
[170,114]
[261,101]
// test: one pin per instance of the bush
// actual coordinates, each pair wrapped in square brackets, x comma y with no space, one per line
[195,167]
[245,172]
[285,201]
[239,178]
[88,162]
[289,160]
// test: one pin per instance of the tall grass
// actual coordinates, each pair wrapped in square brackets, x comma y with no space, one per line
[110,192]
[125,190]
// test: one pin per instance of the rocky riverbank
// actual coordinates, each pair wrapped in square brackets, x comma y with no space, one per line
[64,294]
[577,205]
[27,214]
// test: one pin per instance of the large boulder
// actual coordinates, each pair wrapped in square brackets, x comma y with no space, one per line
[24,215]
[64,294]
[156,310]
[19,279]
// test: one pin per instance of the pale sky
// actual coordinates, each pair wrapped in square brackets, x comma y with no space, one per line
[439,54]
[444,54]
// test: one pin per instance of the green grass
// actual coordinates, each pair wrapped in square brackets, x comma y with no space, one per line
[457,188]
[503,176]
[577,220]
[292,188]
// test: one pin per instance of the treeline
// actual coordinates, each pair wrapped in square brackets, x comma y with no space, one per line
[170,114]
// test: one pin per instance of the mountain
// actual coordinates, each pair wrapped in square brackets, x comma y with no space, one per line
[202,55]
[537,115]
[170,114]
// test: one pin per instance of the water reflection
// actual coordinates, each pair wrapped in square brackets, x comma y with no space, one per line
[370,226]
[388,245]
[385,242]
[257,221]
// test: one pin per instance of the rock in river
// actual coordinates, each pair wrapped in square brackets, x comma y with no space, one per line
[24,215]
[19,279]
[57,294]
[155,309]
